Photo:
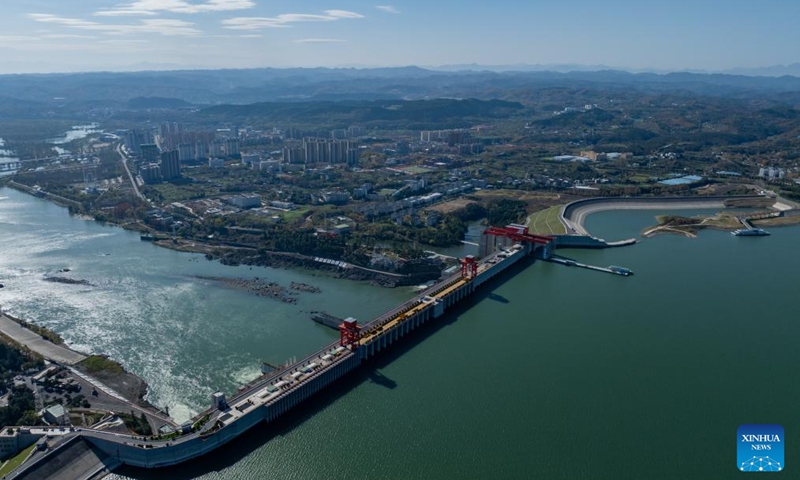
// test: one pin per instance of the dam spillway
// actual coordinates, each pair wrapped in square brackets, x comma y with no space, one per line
[275,393]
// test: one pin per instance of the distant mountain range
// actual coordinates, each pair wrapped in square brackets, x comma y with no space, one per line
[771,71]
[34,93]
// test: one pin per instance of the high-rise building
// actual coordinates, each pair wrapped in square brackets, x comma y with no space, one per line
[150,173]
[150,152]
[294,155]
[218,148]
[352,156]
[186,152]
[132,144]
[328,151]
[232,147]
[201,150]
[170,165]
[355,131]
[457,137]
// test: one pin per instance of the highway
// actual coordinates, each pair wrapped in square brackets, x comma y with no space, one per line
[124,159]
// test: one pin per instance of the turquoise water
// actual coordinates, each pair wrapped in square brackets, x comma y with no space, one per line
[185,337]
[553,372]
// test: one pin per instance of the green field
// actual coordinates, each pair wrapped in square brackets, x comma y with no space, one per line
[15,462]
[546,222]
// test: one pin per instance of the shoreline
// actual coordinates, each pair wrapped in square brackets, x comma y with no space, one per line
[50,346]
[574,214]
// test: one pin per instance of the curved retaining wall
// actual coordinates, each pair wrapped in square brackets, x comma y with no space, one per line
[573,214]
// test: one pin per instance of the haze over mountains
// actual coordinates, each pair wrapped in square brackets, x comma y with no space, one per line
[30,94]
[770,71]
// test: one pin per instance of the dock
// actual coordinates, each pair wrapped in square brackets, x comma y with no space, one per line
[613,269]
[327,319]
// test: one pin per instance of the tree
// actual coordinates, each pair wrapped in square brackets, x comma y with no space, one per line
[29,419]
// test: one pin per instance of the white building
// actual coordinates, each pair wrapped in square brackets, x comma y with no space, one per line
[245,201]
[56,415]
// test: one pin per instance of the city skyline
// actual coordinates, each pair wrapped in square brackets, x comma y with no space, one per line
[92,35]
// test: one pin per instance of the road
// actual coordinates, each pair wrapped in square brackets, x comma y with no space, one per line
[106,399]
[38,344]
[130,175]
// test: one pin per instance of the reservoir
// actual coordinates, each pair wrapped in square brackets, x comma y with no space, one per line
[553,372]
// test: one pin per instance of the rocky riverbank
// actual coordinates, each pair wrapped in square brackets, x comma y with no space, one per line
[351,272]
[304,287]
[259,287]
[112,374]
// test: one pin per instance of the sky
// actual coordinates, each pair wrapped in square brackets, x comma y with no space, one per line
[667,35]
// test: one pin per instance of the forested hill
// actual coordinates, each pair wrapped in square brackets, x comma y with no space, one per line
[420,114]
[207,87]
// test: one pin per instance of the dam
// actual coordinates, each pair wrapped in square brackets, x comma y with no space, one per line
[276,392]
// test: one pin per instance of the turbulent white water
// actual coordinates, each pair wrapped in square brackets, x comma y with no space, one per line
[186,337]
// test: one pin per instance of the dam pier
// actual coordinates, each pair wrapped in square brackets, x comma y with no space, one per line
[278,391]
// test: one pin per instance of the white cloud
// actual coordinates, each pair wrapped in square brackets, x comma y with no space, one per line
[387,9]
[64,36]
[343,14]
[256,23]
[153,7]
[16,38]
[320,40]
[124,13]
[123,42]
[162,26]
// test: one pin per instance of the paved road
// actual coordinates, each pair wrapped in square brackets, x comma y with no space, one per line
[130,175]
[36,343]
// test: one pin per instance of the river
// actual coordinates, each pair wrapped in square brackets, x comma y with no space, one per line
[554,372]
[184,336]
[75,133]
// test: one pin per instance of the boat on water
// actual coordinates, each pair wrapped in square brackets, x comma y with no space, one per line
[424,286]
[620,270]
[147,237]
[750,232]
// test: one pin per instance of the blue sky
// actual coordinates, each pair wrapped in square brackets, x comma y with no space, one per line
[69,35]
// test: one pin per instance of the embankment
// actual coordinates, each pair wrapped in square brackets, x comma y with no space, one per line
[574,214]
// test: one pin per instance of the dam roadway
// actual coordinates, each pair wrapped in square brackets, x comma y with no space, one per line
[276,392]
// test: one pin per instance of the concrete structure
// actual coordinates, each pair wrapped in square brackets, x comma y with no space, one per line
[170,165]
[269,166]
[245,201]
[317,150]
[186,152]
[14,439]
[38,344]
[232,147]
[201,150]
[150,173]
[278,391]
[335,197]
[573,214]
[251,159]
[74,458]
[56,415]
[217,148]
[150,152]
[342,229]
